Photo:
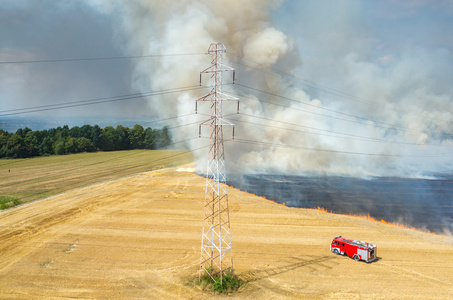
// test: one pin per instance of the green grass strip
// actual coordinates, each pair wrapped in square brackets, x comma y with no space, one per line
[7,202]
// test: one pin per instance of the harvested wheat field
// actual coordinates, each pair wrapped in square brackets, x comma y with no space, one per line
[139,238]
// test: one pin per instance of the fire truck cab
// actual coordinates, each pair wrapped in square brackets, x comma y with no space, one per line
[353,248]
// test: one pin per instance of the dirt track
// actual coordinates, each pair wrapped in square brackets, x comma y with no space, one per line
[139,237]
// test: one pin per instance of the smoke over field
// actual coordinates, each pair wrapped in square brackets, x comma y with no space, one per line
[317,97]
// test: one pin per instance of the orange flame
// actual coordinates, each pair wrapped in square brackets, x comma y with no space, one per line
[368,217]
[325,210]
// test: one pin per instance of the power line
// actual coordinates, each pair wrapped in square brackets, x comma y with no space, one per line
[310,112]
[96,101]
[184,141]
[183,125]
[254,142]
[344,135]
[326,109]
[97,58]
[320,87]
[364,122]
[169,118]
[317,86]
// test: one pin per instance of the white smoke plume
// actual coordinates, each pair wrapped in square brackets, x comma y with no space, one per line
[406,130]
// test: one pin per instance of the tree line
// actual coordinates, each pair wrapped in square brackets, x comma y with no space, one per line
[64,140]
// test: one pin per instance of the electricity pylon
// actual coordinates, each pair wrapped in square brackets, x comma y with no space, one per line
[216,249]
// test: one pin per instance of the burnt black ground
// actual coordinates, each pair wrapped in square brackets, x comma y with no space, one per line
[425,204]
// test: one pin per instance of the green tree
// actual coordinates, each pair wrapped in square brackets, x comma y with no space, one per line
[109,143]
[62,132]
[70,145]
[85,131]
[64,140]
[3,151]
[164,138]
[45,148]
[23,132]
[137,137]
[33,140]
[4,136]
[97,136]
[84,145]
[123,141]
[151,136]
[16,147]
[58,147]
[75,132]
[52,134]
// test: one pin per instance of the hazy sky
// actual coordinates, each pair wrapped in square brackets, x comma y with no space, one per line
[50,29]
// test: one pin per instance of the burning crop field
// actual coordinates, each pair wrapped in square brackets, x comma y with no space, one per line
[425,204]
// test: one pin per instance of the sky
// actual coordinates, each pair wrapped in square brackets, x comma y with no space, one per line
[387,64]
[46,30]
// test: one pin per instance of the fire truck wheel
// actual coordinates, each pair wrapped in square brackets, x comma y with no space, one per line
[336,251]
[356,257]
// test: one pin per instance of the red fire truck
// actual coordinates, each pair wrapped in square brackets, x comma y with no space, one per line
[353,248]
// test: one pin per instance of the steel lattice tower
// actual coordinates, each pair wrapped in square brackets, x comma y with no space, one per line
[216,249]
